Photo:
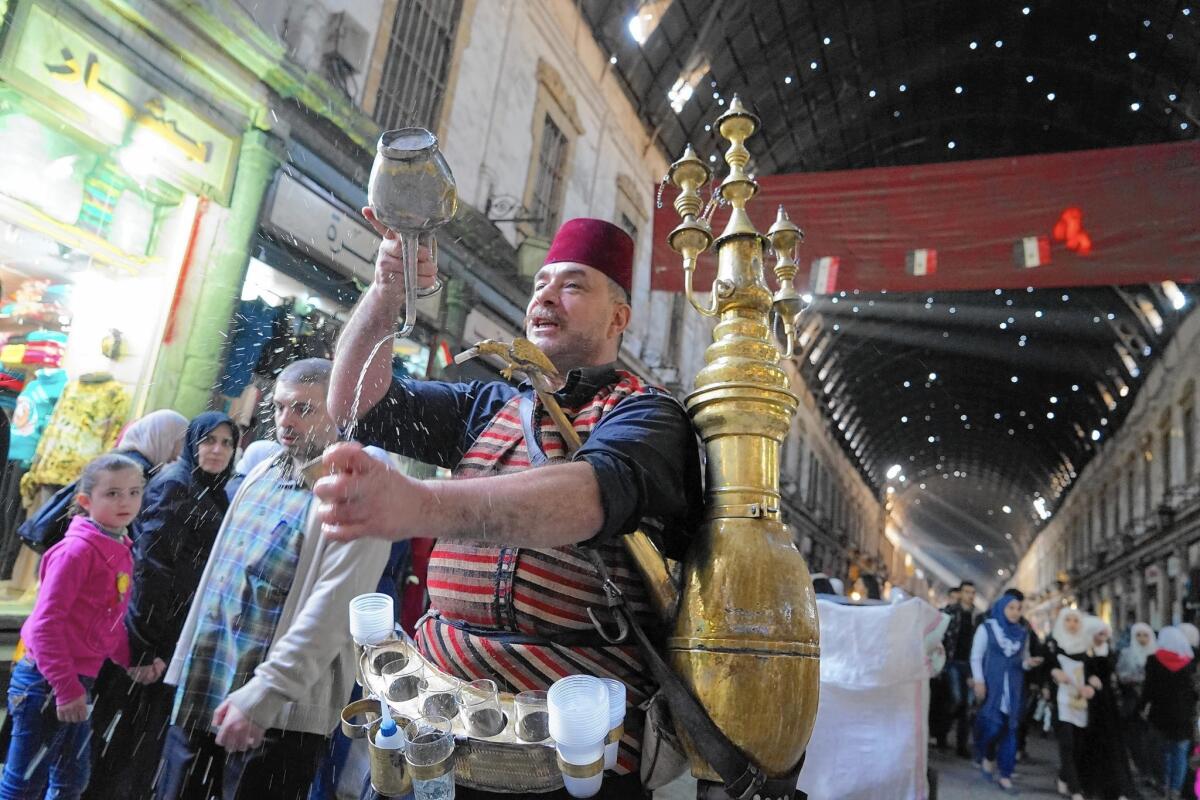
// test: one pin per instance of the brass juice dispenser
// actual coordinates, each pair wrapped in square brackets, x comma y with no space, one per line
[746,638]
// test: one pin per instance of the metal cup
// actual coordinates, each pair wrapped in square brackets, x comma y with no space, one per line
[411,191]
[389,769]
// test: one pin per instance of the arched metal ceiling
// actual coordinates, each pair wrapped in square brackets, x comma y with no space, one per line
[983,399]
[845,86]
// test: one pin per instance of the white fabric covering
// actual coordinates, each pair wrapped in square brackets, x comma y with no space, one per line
[871,735]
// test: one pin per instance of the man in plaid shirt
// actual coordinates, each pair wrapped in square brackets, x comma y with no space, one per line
[265,660]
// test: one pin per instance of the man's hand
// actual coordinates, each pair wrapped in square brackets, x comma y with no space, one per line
[980,691]
[74,711]
[364,497]
[389,263]
[147,673]
[235,731]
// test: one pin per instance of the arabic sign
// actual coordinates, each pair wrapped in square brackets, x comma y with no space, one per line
[113,104]
[312,224]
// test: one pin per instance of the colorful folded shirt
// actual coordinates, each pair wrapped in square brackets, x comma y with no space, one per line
[12,353]
[55,337]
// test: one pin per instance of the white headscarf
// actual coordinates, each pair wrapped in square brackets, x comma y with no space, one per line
[1135,650]
[1069,643]
[1192,634]
[1094,626]
[157,436]
[1174,641]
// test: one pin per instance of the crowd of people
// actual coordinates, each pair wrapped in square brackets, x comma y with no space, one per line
[1123,712]
[188,637]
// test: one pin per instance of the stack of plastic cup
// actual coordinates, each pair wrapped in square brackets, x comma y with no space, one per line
[579,716]
[616,721]
[372,619]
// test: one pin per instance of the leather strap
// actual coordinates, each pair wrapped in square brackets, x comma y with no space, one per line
[537,456]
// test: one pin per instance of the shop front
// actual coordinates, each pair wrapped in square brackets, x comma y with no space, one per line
[311,259]
[108,172]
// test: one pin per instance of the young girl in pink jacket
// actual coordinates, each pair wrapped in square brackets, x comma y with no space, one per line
[77,623]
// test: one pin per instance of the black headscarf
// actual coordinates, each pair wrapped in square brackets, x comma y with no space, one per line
[182,511]
[189,459]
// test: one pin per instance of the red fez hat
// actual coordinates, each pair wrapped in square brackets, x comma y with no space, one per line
[597,244]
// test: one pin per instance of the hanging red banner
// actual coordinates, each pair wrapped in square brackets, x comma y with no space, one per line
[1094,217]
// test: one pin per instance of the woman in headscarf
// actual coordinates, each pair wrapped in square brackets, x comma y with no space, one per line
[1131,674]
[1169,697]
[999,658]
[182,512]
[154,440]
[1105,767]
[1071,645]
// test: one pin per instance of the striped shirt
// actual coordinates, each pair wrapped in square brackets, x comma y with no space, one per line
[253,565]
[518,615]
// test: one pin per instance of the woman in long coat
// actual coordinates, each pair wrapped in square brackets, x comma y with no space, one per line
[182,512]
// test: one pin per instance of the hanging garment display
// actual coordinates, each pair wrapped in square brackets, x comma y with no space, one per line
[85,423]
[253,324]
[300,331]
[34,407]
[38,300]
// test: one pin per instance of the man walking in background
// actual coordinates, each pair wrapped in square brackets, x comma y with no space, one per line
[958,666]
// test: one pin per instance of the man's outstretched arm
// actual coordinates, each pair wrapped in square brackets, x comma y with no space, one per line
[552,506]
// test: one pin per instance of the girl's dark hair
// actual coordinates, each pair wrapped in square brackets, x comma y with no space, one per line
[109,462]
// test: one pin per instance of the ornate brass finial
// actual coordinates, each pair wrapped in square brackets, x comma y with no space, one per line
[693,235]
[737,125]
[784,235]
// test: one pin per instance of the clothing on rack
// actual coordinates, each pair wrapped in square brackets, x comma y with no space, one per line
[34,407]
[254,323]
[297,335]
[85,423]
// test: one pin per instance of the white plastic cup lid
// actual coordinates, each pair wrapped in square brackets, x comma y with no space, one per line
[578,707]
[616,702]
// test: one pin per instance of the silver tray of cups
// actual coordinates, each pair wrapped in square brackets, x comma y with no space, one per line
[499,747]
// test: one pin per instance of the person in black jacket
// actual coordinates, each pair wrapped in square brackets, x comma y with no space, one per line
[1104,767]
[181,514]
[1169,703]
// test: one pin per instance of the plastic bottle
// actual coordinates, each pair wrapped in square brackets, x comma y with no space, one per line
[389,736]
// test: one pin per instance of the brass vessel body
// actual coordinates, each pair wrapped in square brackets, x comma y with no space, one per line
[746,637]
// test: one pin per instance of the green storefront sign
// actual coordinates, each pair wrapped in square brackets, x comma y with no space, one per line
[85,84]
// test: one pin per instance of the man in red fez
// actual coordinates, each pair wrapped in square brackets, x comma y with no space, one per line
[509,583]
